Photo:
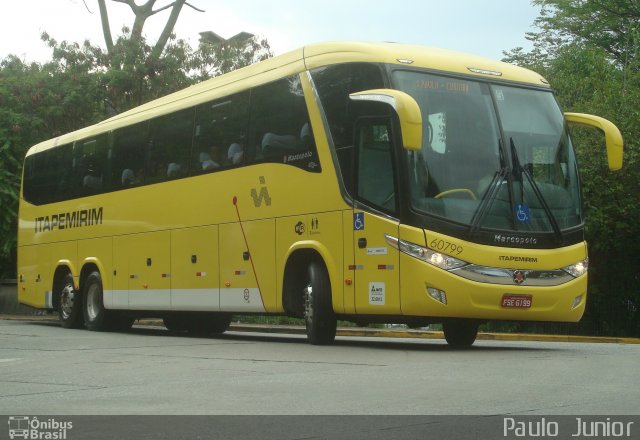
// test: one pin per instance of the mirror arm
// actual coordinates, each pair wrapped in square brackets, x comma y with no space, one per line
[406,108]
[613,137]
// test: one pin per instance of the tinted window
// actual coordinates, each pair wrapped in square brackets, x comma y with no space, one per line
[280,130]
[334,84]
[220,134]
[90,166]
[169,146]
[128,156]
[48,175]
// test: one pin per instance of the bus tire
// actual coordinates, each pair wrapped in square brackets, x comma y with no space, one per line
[460,332]
[70,304]
[319,318]
[96,317]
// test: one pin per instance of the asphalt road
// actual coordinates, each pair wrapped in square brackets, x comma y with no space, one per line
[45,369]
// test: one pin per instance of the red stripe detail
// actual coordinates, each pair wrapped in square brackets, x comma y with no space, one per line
[255,274]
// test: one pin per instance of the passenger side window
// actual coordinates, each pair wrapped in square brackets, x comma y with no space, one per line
[220,134]
[90,162]
[170,146]
[48,176]
[280,130]
[128,156]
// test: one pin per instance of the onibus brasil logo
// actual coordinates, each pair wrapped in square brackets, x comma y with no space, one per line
[32,428]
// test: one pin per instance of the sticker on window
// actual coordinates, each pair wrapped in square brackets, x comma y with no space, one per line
[522,213]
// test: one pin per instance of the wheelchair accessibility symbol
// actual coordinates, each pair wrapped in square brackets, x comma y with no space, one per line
[522,213]
[358,221]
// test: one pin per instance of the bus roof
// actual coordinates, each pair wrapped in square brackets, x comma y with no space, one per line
[306,58]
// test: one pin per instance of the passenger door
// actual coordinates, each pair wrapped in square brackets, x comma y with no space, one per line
[376,268]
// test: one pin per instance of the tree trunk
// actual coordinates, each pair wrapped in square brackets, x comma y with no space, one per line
[106,28]
[168,29]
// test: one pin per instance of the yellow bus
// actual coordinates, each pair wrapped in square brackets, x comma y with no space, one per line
[363,182]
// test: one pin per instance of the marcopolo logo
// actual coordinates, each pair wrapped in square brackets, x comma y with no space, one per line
[32,428]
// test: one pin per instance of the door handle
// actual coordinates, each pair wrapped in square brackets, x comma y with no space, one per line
[362,243]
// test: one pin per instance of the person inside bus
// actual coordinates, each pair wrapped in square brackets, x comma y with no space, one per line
[211,161]
[174,170]
[130,178]
[235,154]
[92,180]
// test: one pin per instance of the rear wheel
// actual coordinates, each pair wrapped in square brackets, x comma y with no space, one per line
[70,304]
[96,317]
[460,332]
[318,312]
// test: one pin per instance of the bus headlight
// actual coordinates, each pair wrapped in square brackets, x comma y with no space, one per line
[578,269]
[443,261]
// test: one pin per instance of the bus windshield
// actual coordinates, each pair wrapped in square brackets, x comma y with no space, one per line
[493,156]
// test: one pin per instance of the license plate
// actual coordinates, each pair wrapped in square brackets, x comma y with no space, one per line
[516,301]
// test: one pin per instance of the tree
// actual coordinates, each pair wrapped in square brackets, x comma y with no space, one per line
[588,50]
[36,102]
[612,26]
[84,83]
[142,13]
[216,58]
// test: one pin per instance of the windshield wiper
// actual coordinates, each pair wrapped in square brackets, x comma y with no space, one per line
[490,195]
[519,171]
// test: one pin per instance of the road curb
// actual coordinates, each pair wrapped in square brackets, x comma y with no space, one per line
[379,333]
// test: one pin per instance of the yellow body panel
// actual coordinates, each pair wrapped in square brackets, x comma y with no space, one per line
[194,258]
[377,268]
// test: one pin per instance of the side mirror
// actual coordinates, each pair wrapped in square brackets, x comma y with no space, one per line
[613,137]
[405,107]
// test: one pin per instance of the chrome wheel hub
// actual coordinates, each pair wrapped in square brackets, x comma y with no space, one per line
[67,300]
[308,303]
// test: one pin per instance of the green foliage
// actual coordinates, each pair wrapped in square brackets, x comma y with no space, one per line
[36,102]
[611,25]
[588,50]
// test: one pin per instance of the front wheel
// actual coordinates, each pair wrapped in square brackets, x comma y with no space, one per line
[319,318]
[460,332]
